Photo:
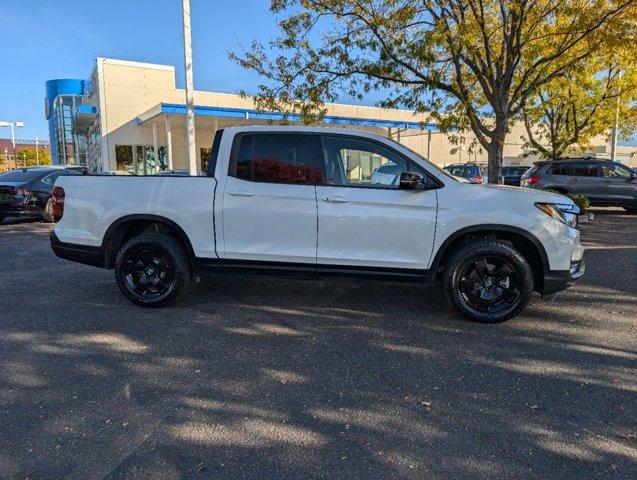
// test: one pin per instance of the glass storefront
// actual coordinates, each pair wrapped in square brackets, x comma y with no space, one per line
[74,124]
[70,144]
[140,159]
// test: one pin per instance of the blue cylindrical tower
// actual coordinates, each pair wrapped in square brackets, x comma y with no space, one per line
[54,89]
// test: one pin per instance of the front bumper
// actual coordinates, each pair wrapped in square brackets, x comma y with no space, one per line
[558,280]
[85,254]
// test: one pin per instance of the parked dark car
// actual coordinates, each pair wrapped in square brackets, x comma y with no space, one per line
[26,192]
[605,183]
[474,172]
[512,174]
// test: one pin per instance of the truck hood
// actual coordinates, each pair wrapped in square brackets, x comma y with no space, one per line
[532,194]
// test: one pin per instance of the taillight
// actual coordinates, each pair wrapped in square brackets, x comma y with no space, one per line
[477,179]
[533,180]
[58,203]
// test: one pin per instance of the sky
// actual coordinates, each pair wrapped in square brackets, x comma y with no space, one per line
[41,40]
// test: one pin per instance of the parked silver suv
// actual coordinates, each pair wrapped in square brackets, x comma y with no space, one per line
[605,183]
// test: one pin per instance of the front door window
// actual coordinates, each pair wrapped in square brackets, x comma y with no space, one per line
[358,162]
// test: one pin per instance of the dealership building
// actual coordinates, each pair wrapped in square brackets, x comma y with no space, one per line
[131,116]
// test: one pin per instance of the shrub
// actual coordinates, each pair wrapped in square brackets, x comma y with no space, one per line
[581,201]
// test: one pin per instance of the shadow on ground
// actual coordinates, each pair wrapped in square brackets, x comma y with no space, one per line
[261,378]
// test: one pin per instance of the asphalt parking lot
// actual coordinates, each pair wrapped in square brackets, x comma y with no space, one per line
[267,378]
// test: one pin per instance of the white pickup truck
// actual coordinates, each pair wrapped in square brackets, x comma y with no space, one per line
[319,201]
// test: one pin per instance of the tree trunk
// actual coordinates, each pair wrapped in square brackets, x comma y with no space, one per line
[494,155]
[495,152]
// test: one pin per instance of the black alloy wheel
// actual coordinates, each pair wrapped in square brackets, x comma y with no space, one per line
[488,281]
[152,269]
[489,285]
[148,272]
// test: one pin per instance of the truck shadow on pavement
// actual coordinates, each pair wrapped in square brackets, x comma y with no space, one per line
[268,378]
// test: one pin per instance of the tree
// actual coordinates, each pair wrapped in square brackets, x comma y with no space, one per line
[470,63]
[27,156]
[564,115]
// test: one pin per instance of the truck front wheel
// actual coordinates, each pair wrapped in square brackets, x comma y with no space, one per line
[488,281]
[152,269]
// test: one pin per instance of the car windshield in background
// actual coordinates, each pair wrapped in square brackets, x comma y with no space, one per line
[464,171]
[514,170]
[22,175]
[423,159]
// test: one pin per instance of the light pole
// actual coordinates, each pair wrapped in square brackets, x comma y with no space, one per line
[190,109]
[37,150]
[13,126]
[615,128]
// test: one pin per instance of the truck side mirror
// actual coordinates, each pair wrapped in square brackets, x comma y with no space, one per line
[412,181]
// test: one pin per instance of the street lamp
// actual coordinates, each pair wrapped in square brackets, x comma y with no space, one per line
[13,126]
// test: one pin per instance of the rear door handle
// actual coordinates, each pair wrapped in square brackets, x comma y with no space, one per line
[335,199]
[241,193]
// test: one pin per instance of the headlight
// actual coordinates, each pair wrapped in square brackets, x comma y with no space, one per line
[563,212]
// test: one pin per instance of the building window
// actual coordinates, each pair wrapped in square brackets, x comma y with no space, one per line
[205,153]
[140,159]
[124,158]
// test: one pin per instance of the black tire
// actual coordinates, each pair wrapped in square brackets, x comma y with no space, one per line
[47,214]
[490,271]
[631,210]
[152,270]
[2,217]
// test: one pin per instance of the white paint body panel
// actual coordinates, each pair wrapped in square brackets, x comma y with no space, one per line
[286,223]
[375,227]
[463,205]
[268,221]
[93,203]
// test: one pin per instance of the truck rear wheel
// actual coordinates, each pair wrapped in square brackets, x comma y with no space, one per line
[152,269]
[488,281]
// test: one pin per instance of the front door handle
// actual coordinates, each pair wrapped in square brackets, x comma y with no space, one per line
[335,199]
[241,193]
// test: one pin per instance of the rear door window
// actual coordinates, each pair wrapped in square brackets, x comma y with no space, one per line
[575,169]
[276,158]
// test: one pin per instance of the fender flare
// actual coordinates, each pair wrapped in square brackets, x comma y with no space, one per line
[113,228]
[487,228]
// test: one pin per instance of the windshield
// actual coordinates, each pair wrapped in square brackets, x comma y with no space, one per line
[427,162]
[23,175]
[514,170]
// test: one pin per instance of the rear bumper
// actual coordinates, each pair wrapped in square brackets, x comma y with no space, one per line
[558,280]
[20,211]
[85,254]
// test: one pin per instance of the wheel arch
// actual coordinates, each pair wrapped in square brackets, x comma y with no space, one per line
[527,243]
[125,228]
